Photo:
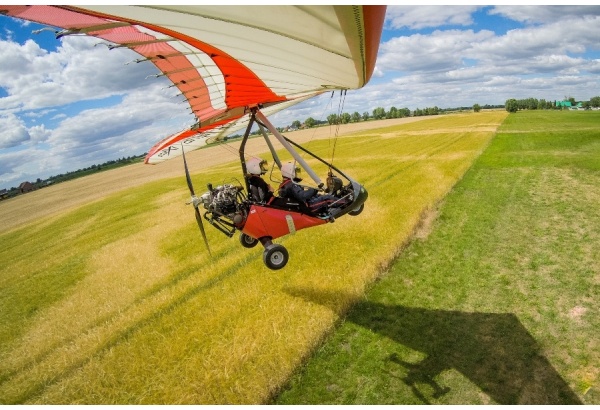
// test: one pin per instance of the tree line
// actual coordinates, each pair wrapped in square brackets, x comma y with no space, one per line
[115,163]
[378,113]
[514,105]
[41,183]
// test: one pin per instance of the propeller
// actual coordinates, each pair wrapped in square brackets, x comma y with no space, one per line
[195,201]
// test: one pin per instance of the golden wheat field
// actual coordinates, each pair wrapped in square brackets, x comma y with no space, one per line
[107,295]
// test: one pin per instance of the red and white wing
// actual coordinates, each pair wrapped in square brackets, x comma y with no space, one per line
[226,59]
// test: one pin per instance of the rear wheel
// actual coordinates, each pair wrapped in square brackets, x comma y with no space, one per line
[248,241]
[275,257]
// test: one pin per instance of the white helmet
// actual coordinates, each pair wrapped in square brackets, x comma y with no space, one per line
[257,166]
[290,170]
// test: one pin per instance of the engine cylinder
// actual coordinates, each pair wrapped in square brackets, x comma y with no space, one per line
[238,219]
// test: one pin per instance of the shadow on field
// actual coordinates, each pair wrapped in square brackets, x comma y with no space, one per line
[493,350]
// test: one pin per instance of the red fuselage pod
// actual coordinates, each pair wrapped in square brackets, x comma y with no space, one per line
[264,221]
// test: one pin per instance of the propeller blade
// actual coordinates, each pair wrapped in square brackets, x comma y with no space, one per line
[191,187]
[201,226]
[187,172]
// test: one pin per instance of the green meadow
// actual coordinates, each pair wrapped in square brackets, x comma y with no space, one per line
[485,291]
[496,298]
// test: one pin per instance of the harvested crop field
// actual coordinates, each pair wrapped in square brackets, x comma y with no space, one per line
[109,297]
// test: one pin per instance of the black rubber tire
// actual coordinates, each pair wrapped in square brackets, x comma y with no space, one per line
[357,211]
[275,257]
[248,241]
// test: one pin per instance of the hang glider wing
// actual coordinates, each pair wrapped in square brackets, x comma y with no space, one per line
[227,59]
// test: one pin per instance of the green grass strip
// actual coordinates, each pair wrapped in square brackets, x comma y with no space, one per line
[497,301]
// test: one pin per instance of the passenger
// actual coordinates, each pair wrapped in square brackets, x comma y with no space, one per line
[310,196]
[259,189]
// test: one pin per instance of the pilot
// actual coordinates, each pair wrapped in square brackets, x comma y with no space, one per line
[259,189]
[310,196]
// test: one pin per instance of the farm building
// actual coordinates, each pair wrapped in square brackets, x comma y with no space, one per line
[26,187]
[568,104]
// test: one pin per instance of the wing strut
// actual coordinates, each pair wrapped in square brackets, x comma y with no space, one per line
[289,148]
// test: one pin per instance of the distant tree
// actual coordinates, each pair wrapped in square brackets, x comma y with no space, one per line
[365,116]
[432,110]
[310,122]
[355,116]
[379,113]
[511,105]
[476,107]
[595,101]
[296,124]
[587,105]
[332,119]
[573,102]
[532,103]
[392,113]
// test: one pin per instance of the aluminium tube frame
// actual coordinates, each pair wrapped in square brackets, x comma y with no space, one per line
[289,148]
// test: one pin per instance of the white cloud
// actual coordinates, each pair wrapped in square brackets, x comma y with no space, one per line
[592,67]
[544,14]
[418,17]
[441,50]
[12,131]
[451,68]
[528,50]
[35,78]
[555,63]
[40,83]
[39,133]
[9,167]
[525,44]
[132,126]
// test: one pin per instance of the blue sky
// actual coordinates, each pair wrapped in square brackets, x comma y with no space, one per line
[65,104]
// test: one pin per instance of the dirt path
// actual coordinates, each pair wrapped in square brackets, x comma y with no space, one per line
[61,197]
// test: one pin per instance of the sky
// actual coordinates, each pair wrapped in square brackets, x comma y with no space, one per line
[66,105]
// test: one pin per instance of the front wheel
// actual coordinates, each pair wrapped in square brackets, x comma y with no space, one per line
[275,257]
[248,241]
[357,210]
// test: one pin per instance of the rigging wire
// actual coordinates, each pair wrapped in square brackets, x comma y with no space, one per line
[338,122]
[226,145]
[327,106]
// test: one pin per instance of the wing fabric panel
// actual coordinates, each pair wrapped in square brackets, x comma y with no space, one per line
[239,85]
[216,84]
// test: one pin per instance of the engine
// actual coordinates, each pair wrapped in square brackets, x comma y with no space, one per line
[225,201]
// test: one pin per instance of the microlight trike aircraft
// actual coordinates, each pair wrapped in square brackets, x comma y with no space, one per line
[234,66]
